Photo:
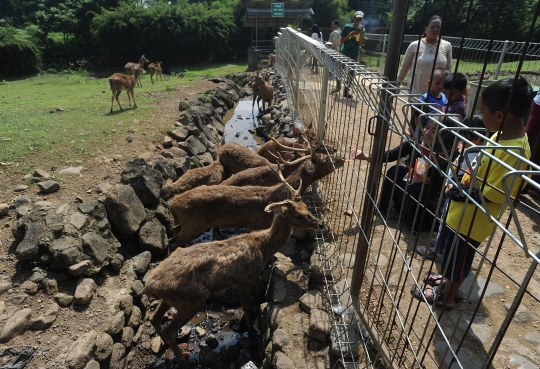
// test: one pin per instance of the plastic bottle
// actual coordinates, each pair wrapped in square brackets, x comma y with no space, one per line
[420,166]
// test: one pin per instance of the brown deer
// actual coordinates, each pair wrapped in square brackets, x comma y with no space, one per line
[155,68]
[262,90]
[305,170]
[233,158]
[119,82]
[206,207]
[188,276]
[131,67]
[265,63]
[272,59]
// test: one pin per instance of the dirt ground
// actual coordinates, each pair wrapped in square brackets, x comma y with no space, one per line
[106,167]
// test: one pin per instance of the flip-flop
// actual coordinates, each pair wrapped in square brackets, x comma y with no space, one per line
[419,292]
[428,252]
[433,279]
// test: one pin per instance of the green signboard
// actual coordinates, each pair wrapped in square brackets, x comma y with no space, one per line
[278,9]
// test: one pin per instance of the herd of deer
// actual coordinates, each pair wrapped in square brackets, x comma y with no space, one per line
[119,81]
[258,190]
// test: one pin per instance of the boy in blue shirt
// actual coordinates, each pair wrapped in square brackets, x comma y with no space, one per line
[434,96]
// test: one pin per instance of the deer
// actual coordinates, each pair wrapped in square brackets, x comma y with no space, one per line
[272,59]
[188,276]
[155,68]
[233,158]
[205,207]
[265,63]
[119,82]
[131,67]
[306,170]
[264,91]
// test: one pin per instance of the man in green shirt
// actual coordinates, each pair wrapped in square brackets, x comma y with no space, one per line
[352,38]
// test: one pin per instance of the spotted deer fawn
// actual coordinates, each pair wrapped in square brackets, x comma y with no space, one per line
[119,82]
[155,68]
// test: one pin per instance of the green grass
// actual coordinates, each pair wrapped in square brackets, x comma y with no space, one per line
[30,126]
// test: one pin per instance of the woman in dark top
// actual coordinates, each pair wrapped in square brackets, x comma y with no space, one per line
[395,188]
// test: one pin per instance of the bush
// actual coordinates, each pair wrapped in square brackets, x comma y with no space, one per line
[19,55]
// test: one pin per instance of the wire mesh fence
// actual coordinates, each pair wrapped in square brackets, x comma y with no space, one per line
[501,57]
[382,291]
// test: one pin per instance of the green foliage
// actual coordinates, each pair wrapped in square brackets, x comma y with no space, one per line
[18,53]
[173,33]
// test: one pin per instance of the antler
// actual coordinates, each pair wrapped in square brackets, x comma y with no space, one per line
[280,159]
[289,148]
[295,193]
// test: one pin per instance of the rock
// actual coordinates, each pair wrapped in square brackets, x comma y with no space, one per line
[135,317]
[139,263]
[38,275]
[117,356]
[166,142]
[180,133]
[79,268]
[177,152]
[319,325]
[40,173]
[155,344]
[167,168]
[280,339]
[137,288]
[145,181]
[4,287]
[20,188]
[63,299]
[29,287]
[92,364]
[70,171]
[193,146]
[125,210]
[212,341]
[104,188]
[207,356]
[104,347]
[523,315]
[88,207]
[50,286]
[127,336]
[48,186]
[4,209]
[82,351]
[201,332]
[15,325]
[54,223]
[96,247]
[282,361]
[23,200]
[182,165]
[117,323]
[125,303]
[311,300]
[116,262]
[78,220]
[84,291]
[44,321]
[153,238]
[28,248]
[22,211]
[17,299]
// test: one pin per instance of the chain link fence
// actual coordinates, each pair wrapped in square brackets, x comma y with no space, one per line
[368,261]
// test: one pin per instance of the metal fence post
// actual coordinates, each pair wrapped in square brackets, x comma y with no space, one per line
[324,95]
[379,143]
[297,81]
[501,59]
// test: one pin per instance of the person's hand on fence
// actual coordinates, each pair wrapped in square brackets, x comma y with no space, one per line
[417,177]
[357,154]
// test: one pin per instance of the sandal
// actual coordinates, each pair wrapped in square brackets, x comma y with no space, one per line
[459,298]
[428,252]
[440,303]
[433,279]
[424,292]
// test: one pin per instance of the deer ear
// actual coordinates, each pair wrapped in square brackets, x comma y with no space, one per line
[310,125]
[309,167]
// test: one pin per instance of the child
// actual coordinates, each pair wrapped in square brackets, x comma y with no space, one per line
[460,165]
[455,89]
[434,96]
[473,227]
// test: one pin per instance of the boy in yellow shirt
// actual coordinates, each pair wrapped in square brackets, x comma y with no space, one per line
[473,226]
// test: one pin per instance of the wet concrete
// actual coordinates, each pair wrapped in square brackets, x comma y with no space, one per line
[240,124]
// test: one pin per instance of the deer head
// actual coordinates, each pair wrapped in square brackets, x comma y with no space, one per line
[296,214]
[143,60]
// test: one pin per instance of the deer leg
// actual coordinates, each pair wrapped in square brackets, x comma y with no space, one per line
[245,296]
[183,315]
[184,236]
[112,101]
[133,97]
[117,100]
[158,314]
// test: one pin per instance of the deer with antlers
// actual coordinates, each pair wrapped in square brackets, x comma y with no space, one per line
[233,158]
[198,209]
[119,82]
[131,67]
[155,68]
[188,276]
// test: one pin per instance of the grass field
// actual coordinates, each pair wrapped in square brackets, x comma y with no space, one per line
[31,121]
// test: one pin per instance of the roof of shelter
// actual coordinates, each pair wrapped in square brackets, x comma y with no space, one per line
[259,13]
